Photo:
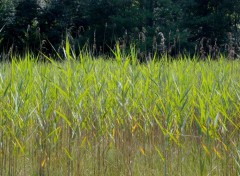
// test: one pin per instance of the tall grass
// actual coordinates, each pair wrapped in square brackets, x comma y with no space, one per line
[89,116]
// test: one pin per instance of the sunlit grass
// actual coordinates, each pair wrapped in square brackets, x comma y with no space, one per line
[115,117]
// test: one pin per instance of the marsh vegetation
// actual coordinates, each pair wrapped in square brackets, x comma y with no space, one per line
[89,116]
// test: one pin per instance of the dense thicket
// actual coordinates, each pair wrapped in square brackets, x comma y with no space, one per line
[163,26]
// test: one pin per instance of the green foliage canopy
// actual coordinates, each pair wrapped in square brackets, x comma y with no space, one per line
[162,26]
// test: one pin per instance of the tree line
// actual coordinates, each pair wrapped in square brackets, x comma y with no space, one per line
[203,27]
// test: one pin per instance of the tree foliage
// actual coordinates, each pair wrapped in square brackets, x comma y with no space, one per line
[154,26]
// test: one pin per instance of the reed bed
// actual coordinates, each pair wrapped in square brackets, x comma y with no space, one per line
[87,116]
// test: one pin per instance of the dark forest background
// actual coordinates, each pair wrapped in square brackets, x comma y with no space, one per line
[203,27]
